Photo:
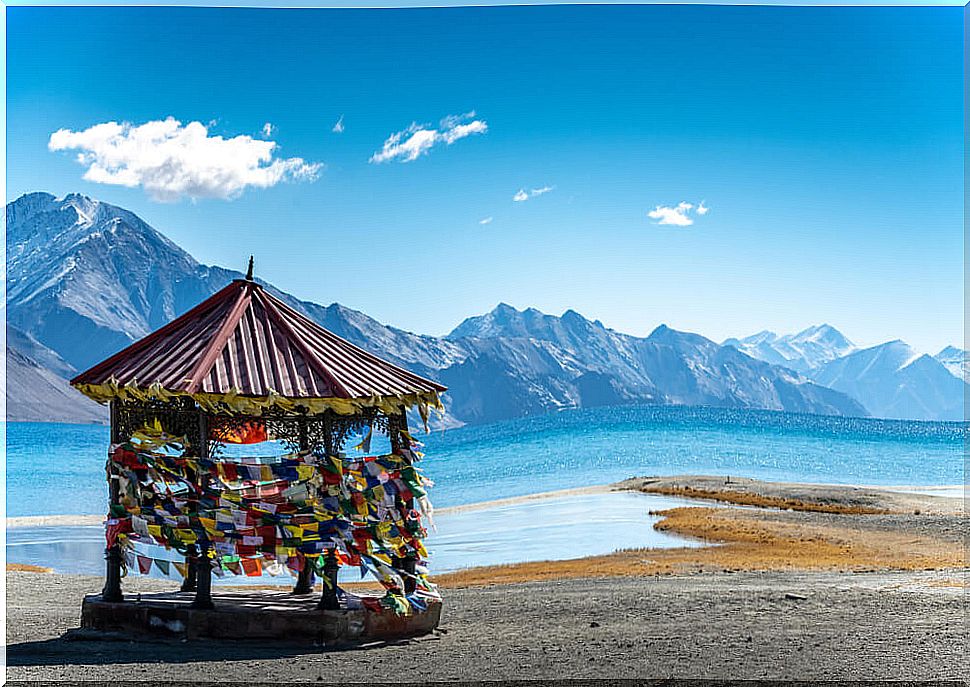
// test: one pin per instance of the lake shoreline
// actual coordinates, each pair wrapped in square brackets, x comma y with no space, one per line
[88,520]
[625,485]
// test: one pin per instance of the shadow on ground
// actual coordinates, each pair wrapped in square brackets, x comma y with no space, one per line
[84,648]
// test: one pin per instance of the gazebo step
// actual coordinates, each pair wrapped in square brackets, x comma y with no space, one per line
[257,615]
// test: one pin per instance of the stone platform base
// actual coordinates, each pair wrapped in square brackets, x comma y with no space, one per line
[257,614]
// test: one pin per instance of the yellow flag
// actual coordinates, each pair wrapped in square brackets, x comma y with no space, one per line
[186,536]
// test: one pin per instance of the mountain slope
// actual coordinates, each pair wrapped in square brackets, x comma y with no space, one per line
[894,381]
[87,278]
[30,347]
[36,393]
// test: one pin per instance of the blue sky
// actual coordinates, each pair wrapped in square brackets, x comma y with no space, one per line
[825,143]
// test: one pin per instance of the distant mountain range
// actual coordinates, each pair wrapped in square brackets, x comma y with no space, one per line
[955,360]
[86,278]
[804,351]
[891,380]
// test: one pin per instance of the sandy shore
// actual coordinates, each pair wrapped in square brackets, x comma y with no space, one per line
[806,582]
[54,521]
[833,498]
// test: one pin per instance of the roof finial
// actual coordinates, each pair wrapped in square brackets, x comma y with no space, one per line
[249,272]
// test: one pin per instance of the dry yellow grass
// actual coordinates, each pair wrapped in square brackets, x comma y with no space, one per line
[743,498]
[747,542]
[24,567]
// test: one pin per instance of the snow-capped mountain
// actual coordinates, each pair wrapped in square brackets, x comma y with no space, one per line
[805,351]
[894,381]
[86,278]
[956,360]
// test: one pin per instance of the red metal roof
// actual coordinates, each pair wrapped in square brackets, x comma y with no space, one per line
[244,340]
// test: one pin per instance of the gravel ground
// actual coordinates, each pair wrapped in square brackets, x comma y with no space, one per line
[808,626]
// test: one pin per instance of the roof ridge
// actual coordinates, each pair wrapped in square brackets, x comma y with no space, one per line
[214,348]
[141,344]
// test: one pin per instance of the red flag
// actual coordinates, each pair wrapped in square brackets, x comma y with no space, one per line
[252,567]
[114,527]
[144,565]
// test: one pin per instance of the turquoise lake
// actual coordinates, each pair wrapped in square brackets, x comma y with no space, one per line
[55,469]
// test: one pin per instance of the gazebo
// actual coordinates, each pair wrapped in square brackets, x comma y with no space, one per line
[245,367]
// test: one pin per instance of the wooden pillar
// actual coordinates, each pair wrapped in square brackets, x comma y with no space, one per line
[203,570]
[191,569]
[203,589]
[112,554]
[329,600]
[190,583]
[304,581]
[407,564]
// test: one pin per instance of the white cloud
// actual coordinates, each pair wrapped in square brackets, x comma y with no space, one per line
[677,216]
[487,220]
[338,128]
[459,131]
[418,139]
[268,130]
[171,161]
[418,142]
[522,195]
